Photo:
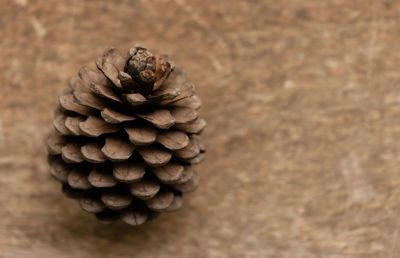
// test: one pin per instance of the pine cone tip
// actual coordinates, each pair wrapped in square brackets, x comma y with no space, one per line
[147,71]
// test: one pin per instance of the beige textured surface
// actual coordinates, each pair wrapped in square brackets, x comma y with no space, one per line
[302,99]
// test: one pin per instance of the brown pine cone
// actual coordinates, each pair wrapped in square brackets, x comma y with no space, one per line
[125,137]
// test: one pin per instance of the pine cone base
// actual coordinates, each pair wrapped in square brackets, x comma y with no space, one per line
[125,137]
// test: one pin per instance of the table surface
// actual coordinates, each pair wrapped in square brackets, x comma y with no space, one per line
[302,100]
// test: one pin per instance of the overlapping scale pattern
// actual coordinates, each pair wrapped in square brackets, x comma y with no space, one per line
[125,137]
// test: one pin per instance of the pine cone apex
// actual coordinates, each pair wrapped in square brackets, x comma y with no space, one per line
[147,71]
[125,137]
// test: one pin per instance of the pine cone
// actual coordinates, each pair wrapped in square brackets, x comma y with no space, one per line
[124,141]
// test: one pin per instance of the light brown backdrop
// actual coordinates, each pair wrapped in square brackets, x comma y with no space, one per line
[302,100]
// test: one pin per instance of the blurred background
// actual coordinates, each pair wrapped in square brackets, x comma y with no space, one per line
[302,100]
